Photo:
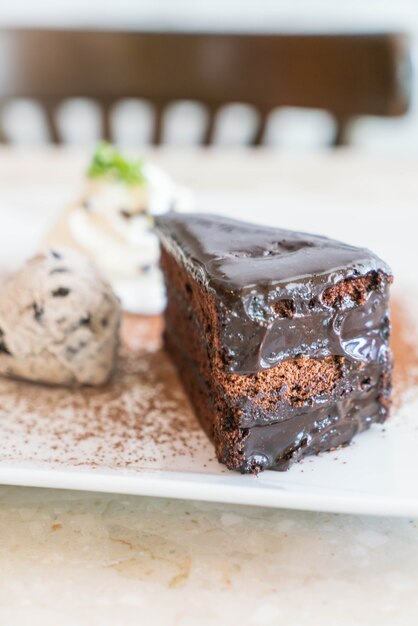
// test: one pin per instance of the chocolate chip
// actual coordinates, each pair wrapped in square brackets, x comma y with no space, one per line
[3,347]
[61,292]
[73,350]
[85,321]
[59,270]
[38,312]
[126,214]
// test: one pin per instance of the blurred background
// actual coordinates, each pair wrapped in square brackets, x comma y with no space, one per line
[172,91]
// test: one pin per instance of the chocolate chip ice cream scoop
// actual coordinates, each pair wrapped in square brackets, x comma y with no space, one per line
[59,321]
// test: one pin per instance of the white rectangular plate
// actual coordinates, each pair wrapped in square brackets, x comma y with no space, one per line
[139,436]
[121,439]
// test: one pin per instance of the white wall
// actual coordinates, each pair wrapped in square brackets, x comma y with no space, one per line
[249,15]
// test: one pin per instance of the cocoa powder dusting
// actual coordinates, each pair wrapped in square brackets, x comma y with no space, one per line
[140,420]
[405,352]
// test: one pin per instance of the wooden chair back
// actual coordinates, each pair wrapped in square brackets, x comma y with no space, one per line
[348,75]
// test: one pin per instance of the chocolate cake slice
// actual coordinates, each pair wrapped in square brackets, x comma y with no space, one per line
[280,338]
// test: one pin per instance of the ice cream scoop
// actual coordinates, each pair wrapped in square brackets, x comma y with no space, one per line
[59,321]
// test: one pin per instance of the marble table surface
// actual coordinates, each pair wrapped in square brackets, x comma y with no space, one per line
[73,558]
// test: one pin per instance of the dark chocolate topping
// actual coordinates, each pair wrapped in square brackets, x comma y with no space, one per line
[270,284]
[311,431]
[238,255]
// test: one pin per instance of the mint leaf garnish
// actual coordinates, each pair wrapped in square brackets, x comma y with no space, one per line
[107,162]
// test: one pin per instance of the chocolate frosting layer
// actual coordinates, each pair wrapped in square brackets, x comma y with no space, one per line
[318,428]
[269,285]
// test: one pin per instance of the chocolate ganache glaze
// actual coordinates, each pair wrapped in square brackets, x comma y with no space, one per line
[311,430]
[273,302]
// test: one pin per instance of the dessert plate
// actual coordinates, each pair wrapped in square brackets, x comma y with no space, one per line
[139,436]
